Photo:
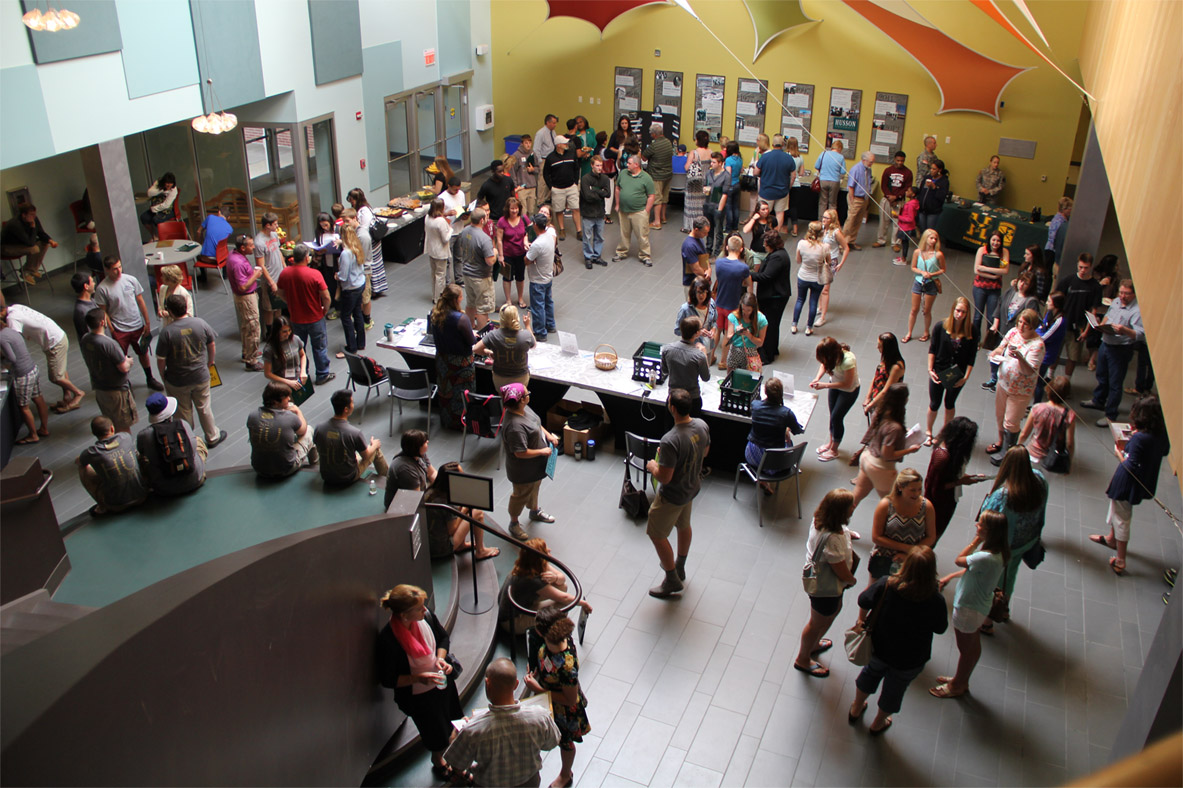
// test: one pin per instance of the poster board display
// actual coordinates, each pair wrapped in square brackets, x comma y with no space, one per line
[797,114]
[671,126]
[667,92]
[626,92]
[708,104]
[842,124]
[751,101]
[887,124]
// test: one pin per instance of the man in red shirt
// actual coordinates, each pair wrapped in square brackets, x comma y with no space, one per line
[896,180]
[307,297]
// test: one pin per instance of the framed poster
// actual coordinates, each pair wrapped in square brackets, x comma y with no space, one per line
[667,92]
[845,107]
[797,114]
[626,90]
[887,124]
[751,100]
[708,104]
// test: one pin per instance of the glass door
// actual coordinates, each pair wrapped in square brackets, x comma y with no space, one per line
[319,155]
[455,128]
[399,146]
[428,134]
[271,167]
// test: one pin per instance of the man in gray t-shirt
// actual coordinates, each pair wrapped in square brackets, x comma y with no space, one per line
[474,249]
[528,445]
[121,297]
[345,454]
[410,470]
[110,470]
[108,366]
[678,468]
[26,381]
[279,435]
[685,362]
[184,353]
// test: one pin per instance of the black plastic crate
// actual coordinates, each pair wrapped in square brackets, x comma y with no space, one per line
[737,391]
[647,361]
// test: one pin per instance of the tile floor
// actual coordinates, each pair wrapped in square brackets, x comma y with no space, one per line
[699,691]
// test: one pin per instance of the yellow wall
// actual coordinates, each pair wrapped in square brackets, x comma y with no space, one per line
[542,67]
[1132,59]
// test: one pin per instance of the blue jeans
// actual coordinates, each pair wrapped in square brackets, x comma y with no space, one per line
[1040,382]
[320,343]
[593,237]
[985,305]
[731,210]
[714,239]
[814,290]
[895,683]
[926,221]
[542,309]
[1112,363]
[352,319]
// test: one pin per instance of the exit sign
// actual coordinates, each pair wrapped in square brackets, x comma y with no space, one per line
[429,57]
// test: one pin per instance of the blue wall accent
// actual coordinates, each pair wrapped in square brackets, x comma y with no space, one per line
[454,35]
[158,49]
[383,76]
[336,39]
[227,38]
[97,32]
[24,124]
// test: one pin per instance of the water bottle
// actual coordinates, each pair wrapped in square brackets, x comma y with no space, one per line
[590,453]
[389,332]
[373,485]
[578,450]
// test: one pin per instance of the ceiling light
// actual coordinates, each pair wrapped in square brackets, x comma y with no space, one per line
[50,21]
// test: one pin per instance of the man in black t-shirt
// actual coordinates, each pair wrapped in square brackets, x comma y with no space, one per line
[496,190]
[1082,293]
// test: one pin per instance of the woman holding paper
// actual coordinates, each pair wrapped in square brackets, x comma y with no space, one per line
[946,469]
[886,444]
[1020,354]
[1019,493]
[990,266]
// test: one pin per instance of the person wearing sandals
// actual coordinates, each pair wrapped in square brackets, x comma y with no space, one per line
[835,239]
[412,660]
[987,287]
[903,519]
[946,470]
[453,530]
[952,350]
[910,612]
[890,370]
[1136,477]
[1019,297]
[928,263]
[558,674]
[701,305]
[885,445]
[829,552]
[981,564]
[837,361]
[1042,429]
[527,446]
[1020,493]
[1020,355]
[812,255]
[511,250]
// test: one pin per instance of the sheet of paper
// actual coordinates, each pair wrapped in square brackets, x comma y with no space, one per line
[671,89]
[748,86]
[884,107]
[886,136]
[713,106]
[786,380]
[841,98]
[667,109]
[409,338]
[1089,316]
[624,80]
[792,120]
[745,108]
[881,150]
[914,437]
[748,134]
[798,100]
[628,104]
[568,344]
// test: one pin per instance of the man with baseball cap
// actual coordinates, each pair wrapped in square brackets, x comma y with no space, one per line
[172,460]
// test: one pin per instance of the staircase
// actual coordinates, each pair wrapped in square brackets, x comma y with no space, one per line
[33,616]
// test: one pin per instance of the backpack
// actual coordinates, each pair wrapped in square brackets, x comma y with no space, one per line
[376,370]
[174,447]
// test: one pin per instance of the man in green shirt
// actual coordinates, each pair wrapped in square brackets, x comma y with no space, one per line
[635,193]
[660,156]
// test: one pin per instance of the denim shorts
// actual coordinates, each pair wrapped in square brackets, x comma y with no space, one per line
[928,288]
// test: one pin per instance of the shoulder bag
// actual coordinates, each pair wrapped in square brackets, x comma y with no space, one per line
[858,638]
[747,180]
[818,579]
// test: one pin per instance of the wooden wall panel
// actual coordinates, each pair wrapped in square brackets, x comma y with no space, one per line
[1131,59]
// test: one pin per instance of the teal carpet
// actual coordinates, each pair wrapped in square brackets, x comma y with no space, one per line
[112,557]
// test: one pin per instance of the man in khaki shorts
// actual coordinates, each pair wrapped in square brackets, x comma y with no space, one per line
[678,468]
[108,365]
[47,335]
[659,156]
[477,255]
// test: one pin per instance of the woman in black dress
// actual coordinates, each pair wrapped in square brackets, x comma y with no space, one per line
[412,651]
[774,278]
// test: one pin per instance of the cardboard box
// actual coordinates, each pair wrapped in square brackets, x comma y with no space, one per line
[556,417]
[556,422]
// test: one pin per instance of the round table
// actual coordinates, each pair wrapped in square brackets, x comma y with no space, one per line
[172,256]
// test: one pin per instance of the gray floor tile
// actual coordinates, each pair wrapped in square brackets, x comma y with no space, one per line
[715,742]
[666,774]
[617,733]
[695,776]
[642,750]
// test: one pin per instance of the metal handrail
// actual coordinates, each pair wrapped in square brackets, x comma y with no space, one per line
[499,533]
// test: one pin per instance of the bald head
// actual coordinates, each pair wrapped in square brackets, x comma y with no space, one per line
[501,679]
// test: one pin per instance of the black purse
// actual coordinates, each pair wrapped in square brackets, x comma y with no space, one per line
[634,502]
[993,340]
[1057,459]
[457,668]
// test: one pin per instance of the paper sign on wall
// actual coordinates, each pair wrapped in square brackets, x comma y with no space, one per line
[429,57]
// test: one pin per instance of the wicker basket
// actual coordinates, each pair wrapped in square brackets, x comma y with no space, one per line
[606,359]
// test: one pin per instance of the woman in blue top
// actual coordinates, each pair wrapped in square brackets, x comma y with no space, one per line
[351,273]
[746,328]
[928,263]
[773,426]
[734,165]
[1136,477]
[981,565]
[1052,331]
[1020,493]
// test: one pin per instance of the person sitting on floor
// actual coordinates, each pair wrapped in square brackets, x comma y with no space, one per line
[345,455]
[279,435]
[172,460]
[109,470]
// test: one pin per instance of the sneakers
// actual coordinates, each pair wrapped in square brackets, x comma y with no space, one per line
[155,384]
[1103,421]
[313,456]
[562,235]
[899,261]
[878,244]
[518,532]
[647,263]
[325,378]
[988,386]
[332,315]
[1092,404]
[895,247]
[254,366]
[579,235]
[587,263]
[600,261]
[215,441]
[369,324]
[539,516]
[616,258]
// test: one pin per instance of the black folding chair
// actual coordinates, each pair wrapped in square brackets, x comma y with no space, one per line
[410,385]
[776,466]
[482,417]
[361,374]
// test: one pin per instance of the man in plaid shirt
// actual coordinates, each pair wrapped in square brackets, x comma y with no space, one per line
[503,747]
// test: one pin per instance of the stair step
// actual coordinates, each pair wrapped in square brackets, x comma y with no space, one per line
[24,603]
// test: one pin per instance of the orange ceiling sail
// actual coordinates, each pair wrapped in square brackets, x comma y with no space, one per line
[968,81]
[991,10]
[598,12]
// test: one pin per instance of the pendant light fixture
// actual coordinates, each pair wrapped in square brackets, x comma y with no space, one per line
[50,20]
[214,122]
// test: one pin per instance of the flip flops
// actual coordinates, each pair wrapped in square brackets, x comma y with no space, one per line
[945,690]
[1113,564]
[825,644]
[880,731]
[1103,540]
[815,669]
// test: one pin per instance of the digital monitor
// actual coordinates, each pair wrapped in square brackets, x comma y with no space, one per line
[464,489]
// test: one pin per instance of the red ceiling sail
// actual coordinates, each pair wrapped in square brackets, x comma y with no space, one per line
[598,12]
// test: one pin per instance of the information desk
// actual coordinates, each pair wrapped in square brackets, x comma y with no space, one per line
[968,226]
[625,402]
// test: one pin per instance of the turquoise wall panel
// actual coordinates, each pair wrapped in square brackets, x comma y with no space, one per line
[157,32]
[24,124]
[336,39]
[97,32]
[383,76]
[454,36]
[227,37]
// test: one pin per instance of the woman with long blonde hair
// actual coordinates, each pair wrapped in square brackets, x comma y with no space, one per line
[928,263]
[903,519]
[509,347]
[835,240]
[351,273]
[950,360]
[813,255]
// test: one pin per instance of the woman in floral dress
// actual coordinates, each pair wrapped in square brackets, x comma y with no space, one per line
[558,674]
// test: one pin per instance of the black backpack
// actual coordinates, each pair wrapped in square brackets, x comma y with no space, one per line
[175,448]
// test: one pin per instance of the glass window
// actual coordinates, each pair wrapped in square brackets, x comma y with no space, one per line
[322,170]
[400,176]
[270,161]
[223,180]
[169,149]
[396,129]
